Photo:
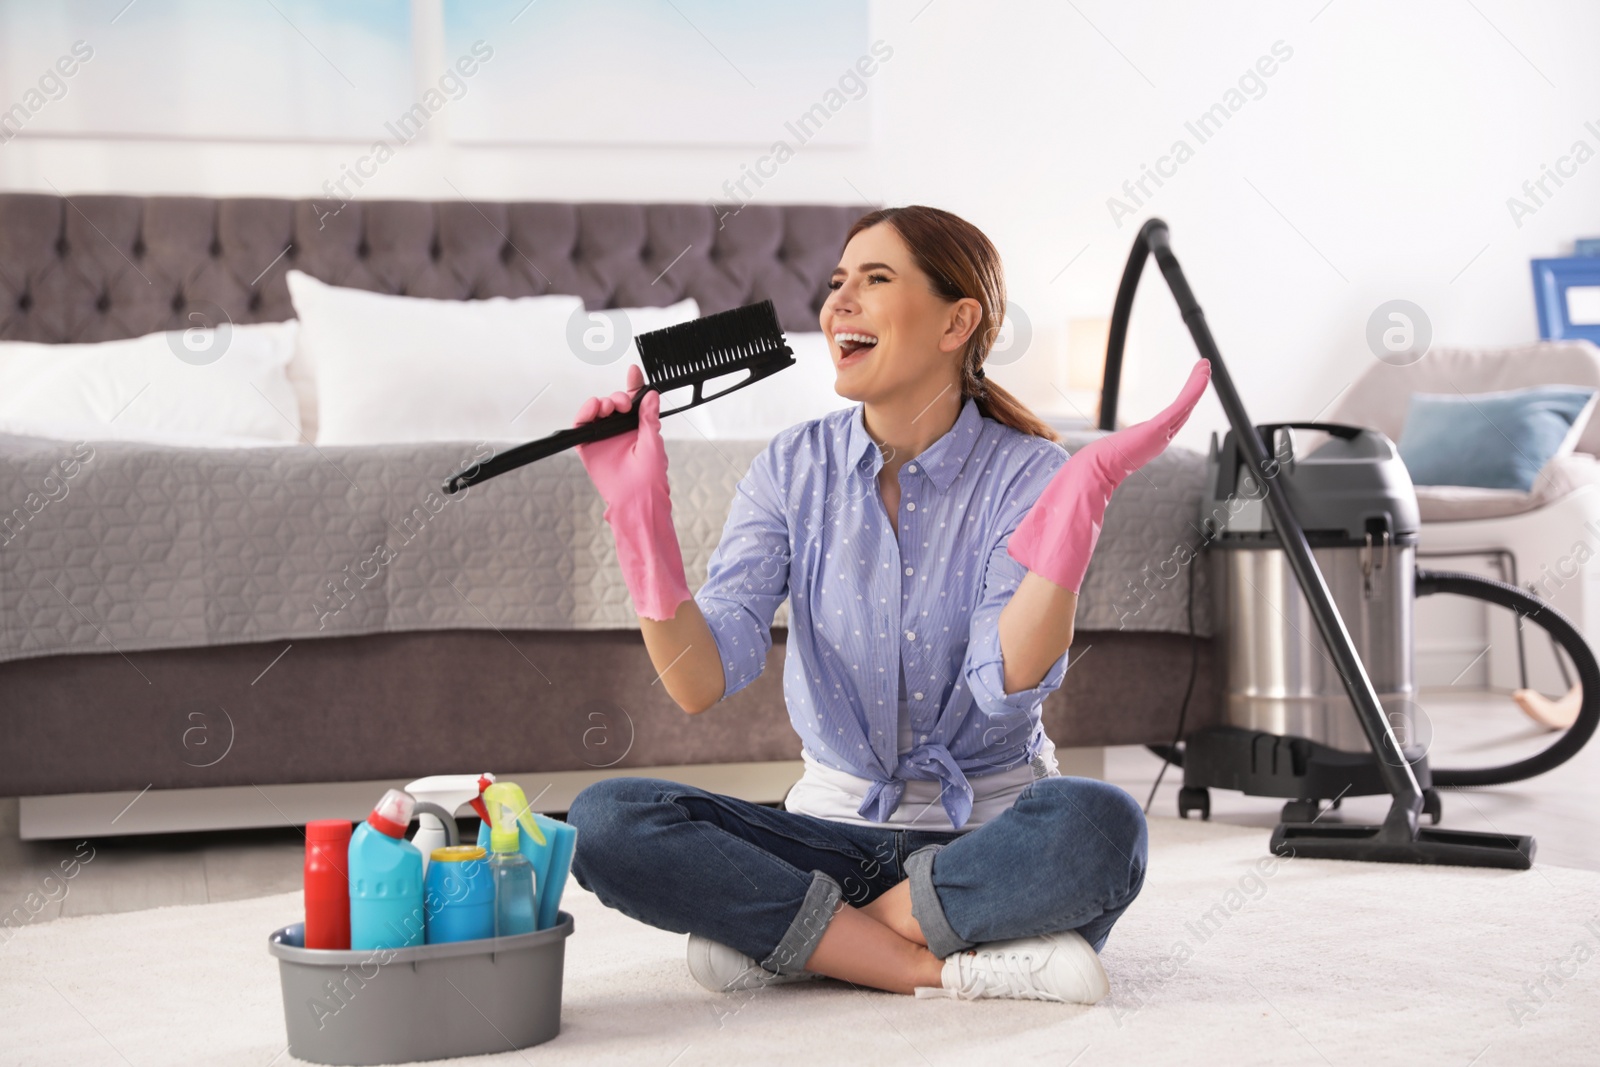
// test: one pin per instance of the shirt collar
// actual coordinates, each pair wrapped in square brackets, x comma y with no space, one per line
[940,461]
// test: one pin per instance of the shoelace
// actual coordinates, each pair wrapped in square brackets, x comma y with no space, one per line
[1007,971]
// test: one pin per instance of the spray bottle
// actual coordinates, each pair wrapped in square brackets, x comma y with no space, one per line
[449,791]
[515,909]
[550,852]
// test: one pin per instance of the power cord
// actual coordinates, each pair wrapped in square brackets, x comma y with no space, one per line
[1183,709]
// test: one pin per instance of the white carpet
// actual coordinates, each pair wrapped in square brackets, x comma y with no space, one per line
[1316,962]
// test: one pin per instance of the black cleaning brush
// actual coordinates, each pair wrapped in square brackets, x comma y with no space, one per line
[688,354]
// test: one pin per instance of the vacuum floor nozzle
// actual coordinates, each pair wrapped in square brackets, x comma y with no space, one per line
[1425,845]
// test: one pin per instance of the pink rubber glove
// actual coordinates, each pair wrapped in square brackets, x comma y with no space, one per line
[630,471]
[1058,535]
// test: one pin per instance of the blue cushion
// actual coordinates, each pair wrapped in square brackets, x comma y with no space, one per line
[1490,440]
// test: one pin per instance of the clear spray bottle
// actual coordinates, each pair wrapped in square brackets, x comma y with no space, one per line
[512,873]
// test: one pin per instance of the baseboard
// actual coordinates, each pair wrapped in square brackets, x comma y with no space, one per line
[166,811]
[162,811]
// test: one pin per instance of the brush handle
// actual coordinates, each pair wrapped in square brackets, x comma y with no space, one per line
[613,425]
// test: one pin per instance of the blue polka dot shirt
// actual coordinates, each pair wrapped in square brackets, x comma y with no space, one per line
[865,605]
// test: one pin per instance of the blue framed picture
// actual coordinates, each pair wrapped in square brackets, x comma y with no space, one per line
[1566,293]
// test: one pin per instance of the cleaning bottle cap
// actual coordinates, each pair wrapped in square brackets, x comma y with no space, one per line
[393,813]
[333,831]
[457,853]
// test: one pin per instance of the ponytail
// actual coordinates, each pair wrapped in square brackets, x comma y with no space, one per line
[1000,405]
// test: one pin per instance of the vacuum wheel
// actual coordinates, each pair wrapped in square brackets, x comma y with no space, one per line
[1194,798]
[1302,811]
[1431,805]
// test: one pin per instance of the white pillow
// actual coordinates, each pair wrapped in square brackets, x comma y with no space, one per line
[400,368]
[302,379]
[794,395]
[140,389]
[1580,425]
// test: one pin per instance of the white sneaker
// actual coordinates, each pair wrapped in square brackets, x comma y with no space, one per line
[725,970]
[1059,967]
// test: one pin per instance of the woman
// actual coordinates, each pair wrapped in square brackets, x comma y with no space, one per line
[931,542]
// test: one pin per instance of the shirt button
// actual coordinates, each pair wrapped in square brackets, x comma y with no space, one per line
[912,467]
[918,696]
[911,505]
[908,570]
[911,635]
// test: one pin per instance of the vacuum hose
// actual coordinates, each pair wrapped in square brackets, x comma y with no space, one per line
[1526,606]
[1565,634]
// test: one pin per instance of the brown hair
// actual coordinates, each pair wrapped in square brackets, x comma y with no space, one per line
[961,262]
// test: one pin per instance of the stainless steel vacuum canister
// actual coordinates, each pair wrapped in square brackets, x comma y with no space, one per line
[1355,500]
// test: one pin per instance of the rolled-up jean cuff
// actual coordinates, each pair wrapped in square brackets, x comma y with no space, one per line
[800,940]
[925,906]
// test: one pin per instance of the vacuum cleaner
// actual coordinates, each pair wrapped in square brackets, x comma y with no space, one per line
[1313,571]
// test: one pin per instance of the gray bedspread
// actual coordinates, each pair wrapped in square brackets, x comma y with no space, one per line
[114,547]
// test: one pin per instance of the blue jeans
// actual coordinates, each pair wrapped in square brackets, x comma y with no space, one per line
[1068,855]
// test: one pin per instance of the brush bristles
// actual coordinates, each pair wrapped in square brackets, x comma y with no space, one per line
[727,340]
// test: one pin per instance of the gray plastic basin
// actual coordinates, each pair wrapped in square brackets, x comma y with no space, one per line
[461,998]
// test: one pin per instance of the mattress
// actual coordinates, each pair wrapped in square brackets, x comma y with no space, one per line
[115,547]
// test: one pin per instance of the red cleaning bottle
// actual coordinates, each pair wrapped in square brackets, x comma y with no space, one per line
[327,884]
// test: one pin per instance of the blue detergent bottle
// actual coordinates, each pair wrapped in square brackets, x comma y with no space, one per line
[512,874]
[459,893]
[386,909]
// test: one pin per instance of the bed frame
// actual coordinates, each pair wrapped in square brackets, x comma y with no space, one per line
[92,748]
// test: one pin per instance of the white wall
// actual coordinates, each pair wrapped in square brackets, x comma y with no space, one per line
[1376,165]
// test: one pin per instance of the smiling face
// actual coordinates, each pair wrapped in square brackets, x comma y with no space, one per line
[891,335]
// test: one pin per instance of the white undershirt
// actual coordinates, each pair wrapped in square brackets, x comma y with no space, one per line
[837,795]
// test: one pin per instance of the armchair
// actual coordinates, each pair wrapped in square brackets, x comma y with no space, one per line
[1546,540]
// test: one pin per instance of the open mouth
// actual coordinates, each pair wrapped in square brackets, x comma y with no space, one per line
[851,342]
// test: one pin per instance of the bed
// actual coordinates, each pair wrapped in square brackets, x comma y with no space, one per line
[180,635]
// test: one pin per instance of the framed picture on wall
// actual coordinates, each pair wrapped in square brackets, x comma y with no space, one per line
[668,72]
[1566,293]
[291,70]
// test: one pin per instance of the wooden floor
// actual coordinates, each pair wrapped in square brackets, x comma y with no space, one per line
[131,873]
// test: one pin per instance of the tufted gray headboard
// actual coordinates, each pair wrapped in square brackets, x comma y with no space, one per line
[100,268]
